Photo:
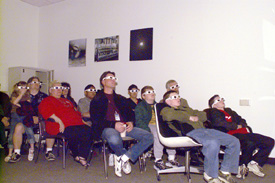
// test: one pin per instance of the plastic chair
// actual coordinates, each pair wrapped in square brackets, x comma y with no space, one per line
[171,140]
[43,135]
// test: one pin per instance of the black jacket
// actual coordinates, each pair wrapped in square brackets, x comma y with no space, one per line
[98,110]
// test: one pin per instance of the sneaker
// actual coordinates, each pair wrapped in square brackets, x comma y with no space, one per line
[111,159]
[31,154]
[15,157]
[210,179]
[7,158]
[242,172]
[255,168]
[159,165]
[50,156]
[173,163]
[126,167]
[227,178]
[117,165]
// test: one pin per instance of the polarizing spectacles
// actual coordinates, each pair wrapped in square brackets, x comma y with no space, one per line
[217,101]
[22,87]
[173,97]
[35,82]
[111,77]
[57,87]
[90,90]
[133,91]
[174,87]
[149,92]
[66,88]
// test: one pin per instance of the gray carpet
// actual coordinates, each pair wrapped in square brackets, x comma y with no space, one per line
[29,172]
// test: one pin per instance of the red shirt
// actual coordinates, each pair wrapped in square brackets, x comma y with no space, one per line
[63,109]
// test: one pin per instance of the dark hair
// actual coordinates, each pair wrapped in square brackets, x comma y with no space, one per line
[65,84]
[167,94]
[104,75]
[143,90]
[132,86]
[89,86]
[212,100]
[32,78]
[15,87]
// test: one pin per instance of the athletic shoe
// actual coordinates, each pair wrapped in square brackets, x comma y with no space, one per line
[242,172]
[7,158]
[31,154]
[50,156]
[126,167]
[159,165]
[117,165]
[15,157]
[255,168]
[173,163]
[227,178]
[210,179]
[111,159]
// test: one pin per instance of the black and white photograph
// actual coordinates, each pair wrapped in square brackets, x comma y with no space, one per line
[77,53]
[106,49]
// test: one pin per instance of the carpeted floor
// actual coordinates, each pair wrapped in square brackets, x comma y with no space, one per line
[44,172]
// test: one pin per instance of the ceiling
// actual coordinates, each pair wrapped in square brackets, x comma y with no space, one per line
[40,3]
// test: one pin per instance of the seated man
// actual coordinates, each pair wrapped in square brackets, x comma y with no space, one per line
[110,113]
[84,103]
[61,117]
[210,139]
[227,120]
[5,112]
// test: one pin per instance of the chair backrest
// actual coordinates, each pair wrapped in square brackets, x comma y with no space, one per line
[173,141]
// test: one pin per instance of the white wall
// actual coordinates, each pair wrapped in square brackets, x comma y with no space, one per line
[18,37]
[209,47]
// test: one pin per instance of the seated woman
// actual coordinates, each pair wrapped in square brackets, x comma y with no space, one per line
[133,100]
[66,93]
[67,121]
[228,121]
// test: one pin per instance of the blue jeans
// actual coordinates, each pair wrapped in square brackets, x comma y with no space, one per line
[144,138]
[212,140]
[15,119]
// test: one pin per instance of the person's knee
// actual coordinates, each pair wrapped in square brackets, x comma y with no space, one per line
[19,129]
[114,140]
[212,145]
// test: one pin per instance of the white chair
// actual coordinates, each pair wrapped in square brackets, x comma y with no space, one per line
[175,142]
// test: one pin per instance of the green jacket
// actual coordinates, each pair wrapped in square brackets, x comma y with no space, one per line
[182,114]
[143,115]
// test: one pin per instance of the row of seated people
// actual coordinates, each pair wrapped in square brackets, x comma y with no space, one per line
[109,112]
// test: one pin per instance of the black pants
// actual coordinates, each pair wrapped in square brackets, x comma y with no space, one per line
[79,140]
[251,141]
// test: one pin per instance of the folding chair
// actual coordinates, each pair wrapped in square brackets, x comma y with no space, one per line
[175,142]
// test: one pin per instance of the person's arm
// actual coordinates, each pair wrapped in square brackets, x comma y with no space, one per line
[81,107]
[140,117]
[171,114]
[59,121]
[219,121]
[237,118]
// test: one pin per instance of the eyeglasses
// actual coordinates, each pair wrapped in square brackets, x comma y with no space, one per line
[35,82]
[173,97]
[133,91]
[66,88]
[149,92]
[90,90]
[57,87]
[23,87]
[111,77]
[217,101]
[174,87]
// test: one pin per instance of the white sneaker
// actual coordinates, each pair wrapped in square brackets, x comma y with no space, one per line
[210,179]
[255,168]
[117,165]
[31,154]
[111,159]
[242,172]
[7,158]
[126,167]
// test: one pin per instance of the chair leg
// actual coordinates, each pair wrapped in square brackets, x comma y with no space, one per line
[187,165]
[64,153]
[90,156]
[105,160]
[38,150]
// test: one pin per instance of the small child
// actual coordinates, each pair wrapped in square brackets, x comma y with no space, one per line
[146,119]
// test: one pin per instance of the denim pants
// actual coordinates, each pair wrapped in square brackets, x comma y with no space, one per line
[15,119]
[143,137]
[212,140]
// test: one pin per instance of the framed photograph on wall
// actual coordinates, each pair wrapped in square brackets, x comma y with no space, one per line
[77,53]
[141,44]
[106,49]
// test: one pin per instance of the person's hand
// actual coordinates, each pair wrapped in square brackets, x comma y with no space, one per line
[35,119]
[87,123]
[5,121]
[239,126]
[129,126]
[119,126]
[22,91]
[61,127]
[194,118]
